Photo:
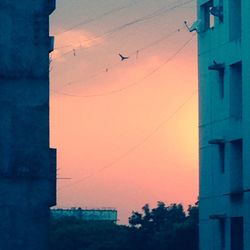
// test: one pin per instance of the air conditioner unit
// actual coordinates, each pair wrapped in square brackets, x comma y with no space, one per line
[217,12]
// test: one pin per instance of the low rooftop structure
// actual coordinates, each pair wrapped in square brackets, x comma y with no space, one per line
[96,214]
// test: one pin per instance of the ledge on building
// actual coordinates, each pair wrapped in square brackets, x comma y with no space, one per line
[217,141]
[236,195]
[217,66]
[217,216]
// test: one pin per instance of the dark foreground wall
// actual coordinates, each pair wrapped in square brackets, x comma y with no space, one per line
[27,164]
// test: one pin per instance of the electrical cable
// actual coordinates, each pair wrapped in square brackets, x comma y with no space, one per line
[108,68]
[136,146]
[90,20]
[132,84]
[147,17]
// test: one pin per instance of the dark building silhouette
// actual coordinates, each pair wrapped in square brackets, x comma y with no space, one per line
[224,85]
[27,164]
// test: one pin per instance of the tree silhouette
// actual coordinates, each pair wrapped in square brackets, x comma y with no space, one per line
[161,228]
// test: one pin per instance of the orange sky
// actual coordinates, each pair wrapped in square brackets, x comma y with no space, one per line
[124,148]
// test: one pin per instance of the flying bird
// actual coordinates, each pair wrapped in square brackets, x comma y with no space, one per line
[123,57]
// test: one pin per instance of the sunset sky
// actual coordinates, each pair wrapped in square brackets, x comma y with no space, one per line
[126,132]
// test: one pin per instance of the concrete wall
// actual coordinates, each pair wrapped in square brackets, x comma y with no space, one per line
[224,194]
[27,164]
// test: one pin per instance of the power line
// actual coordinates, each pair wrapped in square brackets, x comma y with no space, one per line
[136,53]
[136,146]
[132,84]
[90,20]
[147,17]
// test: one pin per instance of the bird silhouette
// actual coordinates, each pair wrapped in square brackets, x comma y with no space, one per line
[123,57]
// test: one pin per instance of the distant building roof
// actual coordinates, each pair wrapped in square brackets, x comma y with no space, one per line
[96,214]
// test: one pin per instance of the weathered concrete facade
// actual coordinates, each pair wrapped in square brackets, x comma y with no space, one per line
[27,164]
[224,85]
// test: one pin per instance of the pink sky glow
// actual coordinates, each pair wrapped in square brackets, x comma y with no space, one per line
[126,132]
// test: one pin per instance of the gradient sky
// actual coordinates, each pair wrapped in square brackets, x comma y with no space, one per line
[126,132]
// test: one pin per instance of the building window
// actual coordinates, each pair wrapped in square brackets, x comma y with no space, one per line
[207,18]
[235,24]
[236,167]
[221,148]
[220,143]
[236,90]
[222,225]
[220,69]
[237,232]
[221,14]
[221,76]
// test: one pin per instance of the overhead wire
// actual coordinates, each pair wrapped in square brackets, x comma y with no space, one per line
[157,128]
[136,53]
[111,31]
[136,146]
[131,84]
[90,20]
[144,18]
